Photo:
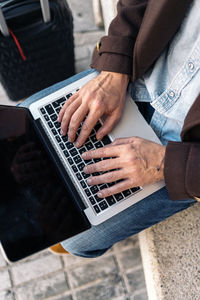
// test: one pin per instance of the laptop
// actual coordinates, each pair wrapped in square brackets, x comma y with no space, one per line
[45,198]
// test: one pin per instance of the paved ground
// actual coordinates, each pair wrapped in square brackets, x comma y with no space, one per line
[117,275]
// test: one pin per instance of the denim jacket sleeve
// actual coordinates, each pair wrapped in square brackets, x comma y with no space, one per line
[116,49]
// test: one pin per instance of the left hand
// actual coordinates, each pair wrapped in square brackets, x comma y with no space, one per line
[135,161]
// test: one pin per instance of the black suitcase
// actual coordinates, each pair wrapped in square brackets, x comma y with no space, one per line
[35,53]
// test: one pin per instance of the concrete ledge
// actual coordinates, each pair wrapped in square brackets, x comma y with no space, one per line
[171,257]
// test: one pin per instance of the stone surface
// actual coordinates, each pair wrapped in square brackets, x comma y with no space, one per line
[136,280]
[88,273]
[6,295]
[2,261]
[82,12]
[29,270]
[43,288]
[4,280]
[130,258]
[170,252]
[110,287]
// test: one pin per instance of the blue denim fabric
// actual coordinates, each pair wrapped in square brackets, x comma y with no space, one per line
[143,214]
[172,84]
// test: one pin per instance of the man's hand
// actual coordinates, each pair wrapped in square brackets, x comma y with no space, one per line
[104,95]
[134,161]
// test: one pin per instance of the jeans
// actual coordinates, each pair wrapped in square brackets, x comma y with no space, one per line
[145,213]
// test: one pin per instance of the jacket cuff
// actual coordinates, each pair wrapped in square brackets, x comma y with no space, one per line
[182,170]
[115,55]
[175,167]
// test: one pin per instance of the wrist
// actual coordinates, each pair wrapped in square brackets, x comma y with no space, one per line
[160,166]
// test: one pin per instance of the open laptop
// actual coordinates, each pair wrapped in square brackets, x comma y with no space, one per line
[44,194]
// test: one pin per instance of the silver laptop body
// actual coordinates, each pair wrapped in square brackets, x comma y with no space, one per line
[131,124]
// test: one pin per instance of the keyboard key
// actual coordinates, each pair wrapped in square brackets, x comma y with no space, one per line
[103,205]
[81,166]
[64,138]
[92,200]
[87,191]
[82,150]
[58,102]
[89,146]
[74,169]
[73,152]
[66,153]
[50,124]
[62,146]
[49,109]
[57,125]
[69,145]
[69,95]
[106,140]
[97,198]
[46,117]
[97,209]
[98,145]
[110,200]
[42,110]
[58,139]
[58,110]
[119,196]
[77,159]
[78,175]
[126,193]
[70,161]
[54,131]
[53,117]
[94,189]
[96,160]
[97,126]
[104,186]
[83,184]
[94,139]
[135,189]
[85,175]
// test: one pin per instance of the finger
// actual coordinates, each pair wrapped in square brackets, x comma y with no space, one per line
[102,166]
[67,104]
[108,125]
[68,114]
[75,121]
[121,141]
[115,189]
[106,178]
[111,151]
[88,125]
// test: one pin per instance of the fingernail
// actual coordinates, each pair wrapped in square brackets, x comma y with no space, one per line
[89,181]
[84,155]
[100,195]
[77,144]
[85,170]
[61,131]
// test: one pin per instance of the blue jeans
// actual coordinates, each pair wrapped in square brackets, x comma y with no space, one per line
[145,213]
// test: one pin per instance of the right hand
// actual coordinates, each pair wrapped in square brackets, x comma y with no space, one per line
[104,95]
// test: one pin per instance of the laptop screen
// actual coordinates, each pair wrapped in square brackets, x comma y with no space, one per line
[36,210]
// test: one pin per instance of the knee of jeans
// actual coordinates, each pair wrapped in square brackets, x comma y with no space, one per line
[81,251]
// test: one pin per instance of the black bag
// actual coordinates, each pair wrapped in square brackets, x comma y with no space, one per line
[36,54]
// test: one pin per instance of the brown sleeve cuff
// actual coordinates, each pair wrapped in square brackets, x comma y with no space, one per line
[182,170]
[111,62]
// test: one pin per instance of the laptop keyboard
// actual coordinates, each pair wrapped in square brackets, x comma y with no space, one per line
[73,155]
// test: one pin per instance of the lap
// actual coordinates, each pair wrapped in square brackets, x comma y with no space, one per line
[141,215]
